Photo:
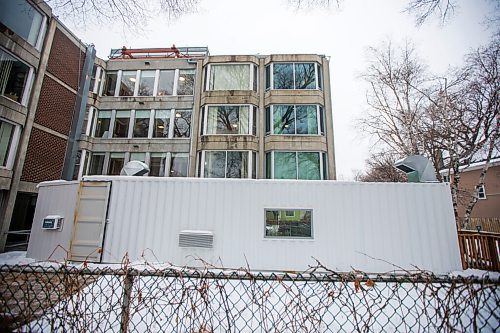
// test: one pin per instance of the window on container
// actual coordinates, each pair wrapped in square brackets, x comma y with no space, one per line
[138,157]
[146,83]
[102,124]
[481,194]
[230,77]
[122,122]
[185,83]
[157,164]
[294,165]
[96,164]
[281,223]
[182,123]
[110,84]
[127,83]
[233,119]
[22,18]
[6,141]
[179,165]
[226,164]
[293,76]
[141,123]
[116,162]
[166,83]
[13,77]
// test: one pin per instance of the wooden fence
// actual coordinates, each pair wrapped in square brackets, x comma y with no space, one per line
[480,250]
[488,224]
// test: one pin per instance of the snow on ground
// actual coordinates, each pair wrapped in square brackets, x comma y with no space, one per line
[15,258]
[476,273]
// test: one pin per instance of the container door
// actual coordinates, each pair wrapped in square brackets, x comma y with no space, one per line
[90,222]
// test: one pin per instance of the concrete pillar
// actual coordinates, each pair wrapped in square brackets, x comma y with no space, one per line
[332,172]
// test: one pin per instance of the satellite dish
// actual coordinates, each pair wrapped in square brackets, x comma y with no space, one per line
[135,168]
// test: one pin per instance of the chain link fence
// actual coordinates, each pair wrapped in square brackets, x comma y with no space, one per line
[166,299]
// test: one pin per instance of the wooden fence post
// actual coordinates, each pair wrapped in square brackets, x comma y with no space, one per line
[128,282]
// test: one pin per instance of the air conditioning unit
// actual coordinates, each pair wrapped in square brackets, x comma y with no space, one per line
[52,222]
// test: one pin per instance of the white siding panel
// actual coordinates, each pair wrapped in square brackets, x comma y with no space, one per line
[54,198]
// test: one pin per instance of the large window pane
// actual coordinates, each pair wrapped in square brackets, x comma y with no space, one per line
[309,166]
[138,157]
[307,119]
[6,136]
[102,125]
[215,164]
[13,77]
[182,123]
[304,76]
[121,124]
[162,123]
[284,119]
[96,164]
[228,120]
[116,162]
[283,76]
[157,163]
[289,223]
[20,17]
[146,83]
[141,123]
[110,85]
[127,84]
[179,165]
[237,164]
[230,77]
[185,84]
[166,83]
[285,166]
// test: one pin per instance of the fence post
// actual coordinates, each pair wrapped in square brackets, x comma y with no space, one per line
[492,248]
[128,281]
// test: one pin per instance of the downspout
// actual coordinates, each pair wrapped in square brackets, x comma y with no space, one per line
[80,109]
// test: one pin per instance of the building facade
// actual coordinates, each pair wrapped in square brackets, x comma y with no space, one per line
[65,114]
[188,114]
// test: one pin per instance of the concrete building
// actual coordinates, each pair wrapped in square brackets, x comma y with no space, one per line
[42,79]
[65,113]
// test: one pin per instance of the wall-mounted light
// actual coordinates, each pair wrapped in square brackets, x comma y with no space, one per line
[132,79]
[182,78]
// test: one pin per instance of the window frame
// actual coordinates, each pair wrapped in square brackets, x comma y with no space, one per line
[252,119]
[481,192]
[294,209]
[13,145]
[28,84]
[270,67]
[37,43]
[270,118]
[251,84]
[322,163]
[250,168]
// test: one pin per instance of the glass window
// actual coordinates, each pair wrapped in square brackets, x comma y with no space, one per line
[237,164]
[293,76]
[294,165]
[122,121]
[226,164]
[20,17]
[230,77]
[268,77]
[481,193]
[13,77]
[127,84]
[157,163]
[141,123]
[116,162]
[92,78]
[146,83]
[289,223]
[185,84]
[138,157]
[228,119]
[293,119]
[215,164]
[102,125]
[110,85]
[6,137]
[179,165]
[166,83]
[96,164]
[182,123]
[162,123]
[283,76]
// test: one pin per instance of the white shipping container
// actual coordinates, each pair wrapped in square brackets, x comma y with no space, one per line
[373,227]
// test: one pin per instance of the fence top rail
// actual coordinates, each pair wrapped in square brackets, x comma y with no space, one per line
[464,232]
[215,274]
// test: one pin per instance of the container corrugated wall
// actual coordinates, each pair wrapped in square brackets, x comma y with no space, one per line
[354,224]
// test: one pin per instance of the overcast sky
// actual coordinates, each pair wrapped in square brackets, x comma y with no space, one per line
[273,27]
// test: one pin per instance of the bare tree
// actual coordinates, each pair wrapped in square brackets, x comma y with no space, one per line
[132,14]
[424,9]
[453,125]
[380,168]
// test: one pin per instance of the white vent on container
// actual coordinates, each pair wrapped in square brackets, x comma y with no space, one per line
[196,238]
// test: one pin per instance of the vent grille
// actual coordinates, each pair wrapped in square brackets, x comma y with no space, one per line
[195,238]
